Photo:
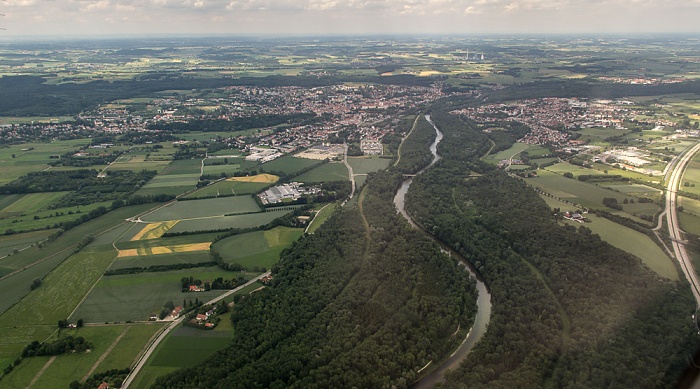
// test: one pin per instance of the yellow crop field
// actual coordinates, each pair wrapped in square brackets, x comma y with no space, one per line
[154,230]
[180,248]
[264,178]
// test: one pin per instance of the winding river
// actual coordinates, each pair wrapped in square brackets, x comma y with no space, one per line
[483,302]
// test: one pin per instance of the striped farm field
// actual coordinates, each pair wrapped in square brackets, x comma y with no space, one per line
[159,250]
[264,178]
[154,230]
[229,188]
[259,248]
[205,208]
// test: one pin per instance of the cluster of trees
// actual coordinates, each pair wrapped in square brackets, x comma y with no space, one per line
[568,308]
[366,301]
[87,188]
[63,345]
[158,268]
[114,378]
[69,159]
[415,151]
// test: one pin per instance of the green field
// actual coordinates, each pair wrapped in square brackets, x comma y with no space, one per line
[625,238]
[332,171]
[259,248]
[61,291]
[599,134]
[691,176]
[161,259]
[588,195]
[136,296]
[227,188]
[223,222]
[184,347]
[30,157]
[173,180]
[288,165]
[182,167]
[368,165]
[13,288]
[10,243]
[632,188]
[206,208]
[324,213]
[44,219]
[70,367]
[516,149]
[31,202]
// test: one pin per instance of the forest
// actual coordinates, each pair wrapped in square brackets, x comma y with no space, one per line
[569,310]
[365,302]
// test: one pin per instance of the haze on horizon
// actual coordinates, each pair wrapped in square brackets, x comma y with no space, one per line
[303,17]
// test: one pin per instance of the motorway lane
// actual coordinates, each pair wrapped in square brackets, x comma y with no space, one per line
[673,224]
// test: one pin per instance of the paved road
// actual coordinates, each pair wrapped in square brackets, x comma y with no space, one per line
[673,225]
[153,344]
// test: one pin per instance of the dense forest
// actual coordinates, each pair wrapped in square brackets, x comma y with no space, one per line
[569,310]
[415,152]
[365,301]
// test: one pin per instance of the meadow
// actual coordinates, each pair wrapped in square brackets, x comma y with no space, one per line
[368,165]
[332,171]
[513,151]
[71,367]
[34,156]
[288,165]
[136,296]
[184,347]
[182,166]
[321,215]
[45,259]
[597,135]
[692,176]
[60,292]
[259,248]
[624,238]
[37,217]
[235,186]
[225,222]
[205,208]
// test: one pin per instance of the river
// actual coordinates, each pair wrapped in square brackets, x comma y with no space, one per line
[483,314]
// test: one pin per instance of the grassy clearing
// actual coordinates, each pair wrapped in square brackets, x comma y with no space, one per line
[234,221]
[136,296]
[689,222]
[259,248]
[159,260]
[184,347]
[598,134]
[633,188]
[368,165]
[205,208]
[583,193]
[172,180]
[9,243]
[321,217]
[516,149]
[182,167]
[32,202]
[332,171]
[228,188]
[626,239]
[288,165]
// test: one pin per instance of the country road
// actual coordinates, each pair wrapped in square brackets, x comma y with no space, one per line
[154,344]
[673,225]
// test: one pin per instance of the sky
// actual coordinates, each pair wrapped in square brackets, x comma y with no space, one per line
[326,17]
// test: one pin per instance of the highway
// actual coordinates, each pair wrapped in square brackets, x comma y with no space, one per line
[166,330]
[681,254]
